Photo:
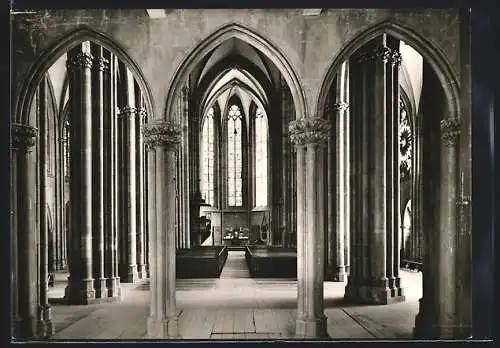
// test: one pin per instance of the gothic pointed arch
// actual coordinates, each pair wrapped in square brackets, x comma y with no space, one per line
[429,51]
[235,30]
[49,56]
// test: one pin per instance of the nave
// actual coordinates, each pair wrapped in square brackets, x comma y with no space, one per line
[340,157]
[237,307]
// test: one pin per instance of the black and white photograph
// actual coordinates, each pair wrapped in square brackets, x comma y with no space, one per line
[241,174]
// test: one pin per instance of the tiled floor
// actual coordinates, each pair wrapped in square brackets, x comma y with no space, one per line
[236,307]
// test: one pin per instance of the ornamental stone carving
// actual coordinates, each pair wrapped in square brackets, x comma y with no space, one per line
[309,130]
[23,136]
[340,107]
[162,134]
[141,113]
[100,63]
[131,111]
[450,131]
[79,61]
[382,53]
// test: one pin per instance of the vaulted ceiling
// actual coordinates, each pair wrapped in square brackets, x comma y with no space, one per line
[234,68]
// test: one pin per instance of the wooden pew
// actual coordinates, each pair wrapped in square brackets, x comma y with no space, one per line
[200,262]
[271,262]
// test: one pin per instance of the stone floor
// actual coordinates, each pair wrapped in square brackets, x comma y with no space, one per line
[235,307]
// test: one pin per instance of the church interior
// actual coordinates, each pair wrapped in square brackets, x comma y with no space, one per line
[241,174]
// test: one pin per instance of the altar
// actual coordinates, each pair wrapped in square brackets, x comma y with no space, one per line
[237,237]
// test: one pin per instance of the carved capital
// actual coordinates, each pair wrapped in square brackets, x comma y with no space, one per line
[166,134]
[382,54]
[141,113]
[309,130]
[23,136]
[100,63]
[450,131]
[340,107]
[129,111]
[80,60]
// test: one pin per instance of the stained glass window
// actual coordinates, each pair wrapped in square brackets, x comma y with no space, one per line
[405,142]
[261,138]
[208,158]
[234,157]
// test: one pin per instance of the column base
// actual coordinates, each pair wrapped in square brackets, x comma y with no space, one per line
[340,274]
[101,290]
[142,272]
[376,293]
[114,289]
[167,328]
[80,292]
[128,274]
[62,266]
[427,327]
[335,274]
[311,328]
[25,328]
[425,331]
[45,327]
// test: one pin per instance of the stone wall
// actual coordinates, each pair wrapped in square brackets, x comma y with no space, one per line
[159,46]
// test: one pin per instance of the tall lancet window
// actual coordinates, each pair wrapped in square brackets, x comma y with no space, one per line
[234,157]
[261,139]
[405,142]
[208,158]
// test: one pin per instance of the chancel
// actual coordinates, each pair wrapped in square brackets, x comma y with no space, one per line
[241,174]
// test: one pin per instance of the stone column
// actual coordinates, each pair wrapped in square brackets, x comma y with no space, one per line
[308,134]
[45,328]
[100,64]
[141,264]
[394,218]
[437,317]
[127,118]
[24,232]
[448,315]
[346,117]
[162,140]
[342,178]
[372,93]
[185,166]
[59,251]
[80,289]
[112,211]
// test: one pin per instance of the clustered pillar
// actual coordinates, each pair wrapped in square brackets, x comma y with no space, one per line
[99,65]
[162,140]
[110,182]
[309,135]
[24,261]
[131,115]
[80,287]
[127,178]
[106,177]
[374,100]
[337,171]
